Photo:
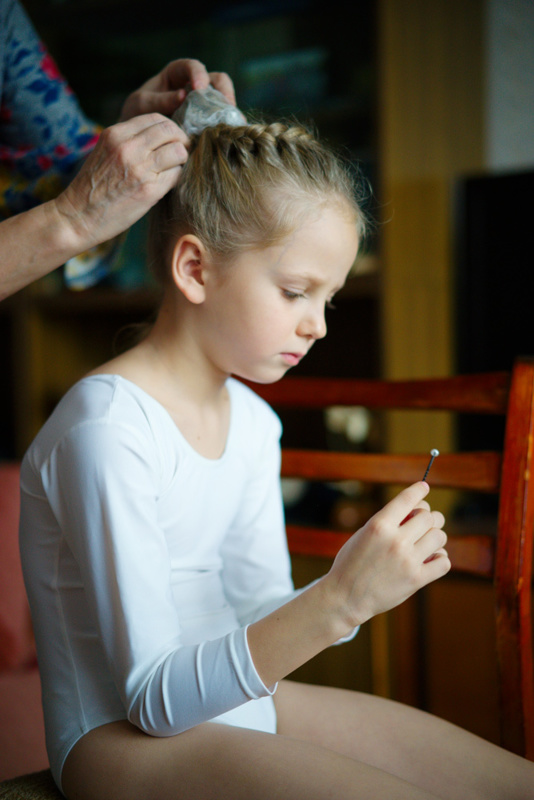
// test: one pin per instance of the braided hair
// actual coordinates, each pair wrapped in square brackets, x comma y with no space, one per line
[250,186]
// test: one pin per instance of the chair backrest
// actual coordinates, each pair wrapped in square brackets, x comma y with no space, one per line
[506,558]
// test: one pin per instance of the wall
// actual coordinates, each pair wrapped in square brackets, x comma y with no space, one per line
[431,87]
[509,98]
[455,98]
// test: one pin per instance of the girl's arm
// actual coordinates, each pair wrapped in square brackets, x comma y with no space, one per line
[257,566]
[378,568]
[397,552]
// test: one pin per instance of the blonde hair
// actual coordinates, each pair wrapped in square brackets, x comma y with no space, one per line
[250,186]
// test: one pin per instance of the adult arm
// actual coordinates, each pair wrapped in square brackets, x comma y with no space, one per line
[132,166]
[134,163]
[45,137]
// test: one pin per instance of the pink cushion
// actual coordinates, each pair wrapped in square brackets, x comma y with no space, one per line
[16,640]
[22,737]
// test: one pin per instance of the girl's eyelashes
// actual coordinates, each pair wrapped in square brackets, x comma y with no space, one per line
[289,295]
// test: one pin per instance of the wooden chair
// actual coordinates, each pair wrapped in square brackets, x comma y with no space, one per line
[506,558]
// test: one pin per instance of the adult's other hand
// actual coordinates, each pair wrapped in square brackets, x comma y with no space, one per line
[166,91]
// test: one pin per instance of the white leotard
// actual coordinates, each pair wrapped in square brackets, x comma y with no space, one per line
[145,562]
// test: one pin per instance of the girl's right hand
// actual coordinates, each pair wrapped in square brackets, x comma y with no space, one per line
[398,551]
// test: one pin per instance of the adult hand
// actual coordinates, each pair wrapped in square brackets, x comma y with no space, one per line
[398,551]
[132,166]
[166,91]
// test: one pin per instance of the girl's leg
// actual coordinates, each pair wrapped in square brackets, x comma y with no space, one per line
[219,762]
[417,747]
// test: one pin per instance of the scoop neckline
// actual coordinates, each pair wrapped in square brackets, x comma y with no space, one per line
[117,378]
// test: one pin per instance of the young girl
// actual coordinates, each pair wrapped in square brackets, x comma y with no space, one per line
[152,530]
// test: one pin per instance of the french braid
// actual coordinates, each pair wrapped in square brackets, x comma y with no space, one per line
[250,186]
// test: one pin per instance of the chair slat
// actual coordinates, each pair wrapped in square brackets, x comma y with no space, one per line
[477,471]
[308,541]
[473,555]
[486,393]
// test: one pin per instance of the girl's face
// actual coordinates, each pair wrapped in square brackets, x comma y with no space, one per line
[266,309]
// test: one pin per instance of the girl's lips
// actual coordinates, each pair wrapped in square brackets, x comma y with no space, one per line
[292,358]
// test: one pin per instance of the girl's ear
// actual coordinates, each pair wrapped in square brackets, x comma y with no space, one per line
[189,267]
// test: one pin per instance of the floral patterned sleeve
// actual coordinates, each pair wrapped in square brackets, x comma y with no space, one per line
[44,135]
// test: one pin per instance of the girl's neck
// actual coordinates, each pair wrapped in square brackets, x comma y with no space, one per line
[172,353]
[170,366]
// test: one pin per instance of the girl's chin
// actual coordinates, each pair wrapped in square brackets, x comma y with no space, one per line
[262,376]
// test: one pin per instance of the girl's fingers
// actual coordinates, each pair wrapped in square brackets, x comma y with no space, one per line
[436,566]
[422,505]
[404,504]
[433,541]
[421,520]
[437,554]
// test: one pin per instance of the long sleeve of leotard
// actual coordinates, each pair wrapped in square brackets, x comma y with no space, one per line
[111,522]
[255,556]
[104,480]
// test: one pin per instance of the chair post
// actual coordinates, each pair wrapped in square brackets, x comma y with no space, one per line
[513,576]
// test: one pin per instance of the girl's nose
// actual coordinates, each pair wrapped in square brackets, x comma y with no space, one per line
[313,323]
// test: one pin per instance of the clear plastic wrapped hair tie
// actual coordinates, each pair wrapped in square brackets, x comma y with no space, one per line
[205,108]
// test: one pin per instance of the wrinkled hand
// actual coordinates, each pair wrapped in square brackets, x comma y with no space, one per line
[398,551]
[132,166]
[166,90]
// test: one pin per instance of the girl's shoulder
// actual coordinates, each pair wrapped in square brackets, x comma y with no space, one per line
[104,396]
[99,402]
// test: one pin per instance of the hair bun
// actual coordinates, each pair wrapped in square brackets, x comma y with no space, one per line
[205,108]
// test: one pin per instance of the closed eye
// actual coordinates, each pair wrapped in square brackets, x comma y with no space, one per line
[291,295]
